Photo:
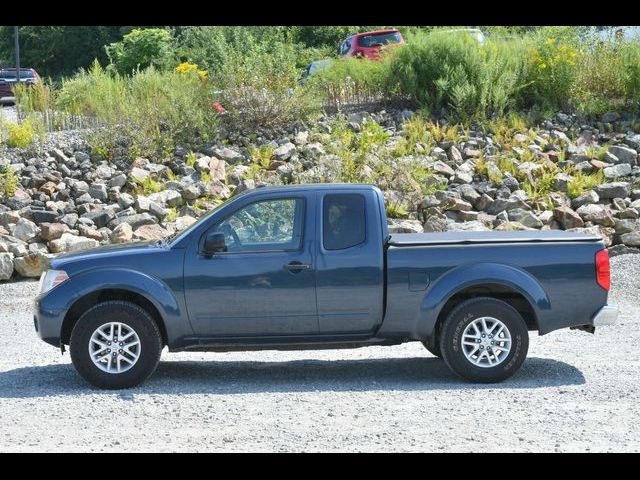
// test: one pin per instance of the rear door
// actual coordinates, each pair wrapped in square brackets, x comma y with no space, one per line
[349,264]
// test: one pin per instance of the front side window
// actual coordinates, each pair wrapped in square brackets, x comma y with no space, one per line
[343,220]
[265,225]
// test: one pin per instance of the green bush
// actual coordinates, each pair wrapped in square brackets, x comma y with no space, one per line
[353,80]
[142,48]
[553,59]
[262,90]
[8,181]
[151,111]
[21,135]
[453,71]
[608,78]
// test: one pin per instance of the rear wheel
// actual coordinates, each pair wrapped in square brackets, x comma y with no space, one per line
[115,345]
[484,340]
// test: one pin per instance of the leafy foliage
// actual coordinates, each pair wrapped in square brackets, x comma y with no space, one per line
[141,48]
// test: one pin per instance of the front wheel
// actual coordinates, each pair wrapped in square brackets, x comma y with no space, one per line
[484,340]
[115,345]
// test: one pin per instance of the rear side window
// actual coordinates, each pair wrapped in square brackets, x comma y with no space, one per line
[343,221]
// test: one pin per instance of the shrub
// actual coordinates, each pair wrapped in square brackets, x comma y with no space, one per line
[552,65]
[21,135]
[141,48]
[353,80]
[261,90]
[149,112]
[608,78]
[8,181]
[444,70]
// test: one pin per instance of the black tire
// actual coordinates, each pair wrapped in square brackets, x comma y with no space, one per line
[433,349]
[463,315]
[131,315]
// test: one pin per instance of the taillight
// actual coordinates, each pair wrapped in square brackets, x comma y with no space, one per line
[603,269]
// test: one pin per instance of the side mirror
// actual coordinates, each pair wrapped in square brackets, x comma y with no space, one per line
[213,243]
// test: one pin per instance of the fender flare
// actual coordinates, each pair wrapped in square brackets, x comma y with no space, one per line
[466,276]
[154,290]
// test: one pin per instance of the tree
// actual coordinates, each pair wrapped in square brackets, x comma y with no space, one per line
[142,48]
[58,50]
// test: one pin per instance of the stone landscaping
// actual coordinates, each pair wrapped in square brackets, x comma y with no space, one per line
[68,198]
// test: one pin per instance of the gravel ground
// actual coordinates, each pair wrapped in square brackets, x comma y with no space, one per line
[8,112]
[576,392]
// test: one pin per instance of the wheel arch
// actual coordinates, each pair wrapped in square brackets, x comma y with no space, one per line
[504,282]
[87,301]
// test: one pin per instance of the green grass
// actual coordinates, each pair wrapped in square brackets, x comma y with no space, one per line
[583,182]
[395,210]
[148,186]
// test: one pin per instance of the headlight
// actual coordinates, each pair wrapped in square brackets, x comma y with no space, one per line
[51,279]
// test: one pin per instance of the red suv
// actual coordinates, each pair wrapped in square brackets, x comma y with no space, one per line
[369,44]
[8,79]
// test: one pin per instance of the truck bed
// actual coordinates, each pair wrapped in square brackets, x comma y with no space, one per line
[446,238]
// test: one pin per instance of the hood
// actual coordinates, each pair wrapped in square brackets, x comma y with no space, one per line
[115,251]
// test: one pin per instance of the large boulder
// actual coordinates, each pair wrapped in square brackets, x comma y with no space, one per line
[32,265]
[150,232]
[596,214]
[631,238]
[613,190]
[52,231]
[624,154]
[25,230]
[123,233]
[617,171]
[72,243]
[405,226]
[135,221]
[567,218]
[228,154]
[524,217]
[166,198]
[284,152]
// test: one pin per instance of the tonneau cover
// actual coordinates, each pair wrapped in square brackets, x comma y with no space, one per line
[525,236]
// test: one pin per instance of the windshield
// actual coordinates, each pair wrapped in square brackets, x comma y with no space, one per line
[179,235]
[378,39]
[12,74]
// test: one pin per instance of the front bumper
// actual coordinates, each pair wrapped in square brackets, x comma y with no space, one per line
[607,315]
[47,323]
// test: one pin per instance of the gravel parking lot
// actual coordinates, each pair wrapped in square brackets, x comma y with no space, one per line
[576,392]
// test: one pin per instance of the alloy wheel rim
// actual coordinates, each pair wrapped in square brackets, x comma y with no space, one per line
[486,342]
[114,347]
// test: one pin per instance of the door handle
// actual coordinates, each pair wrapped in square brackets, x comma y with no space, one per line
[296,266]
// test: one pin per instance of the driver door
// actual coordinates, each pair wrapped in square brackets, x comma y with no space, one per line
[264,284]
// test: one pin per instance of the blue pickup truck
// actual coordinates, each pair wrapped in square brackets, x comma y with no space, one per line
[313,266]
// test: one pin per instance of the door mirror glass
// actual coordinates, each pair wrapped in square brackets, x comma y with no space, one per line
[214,243]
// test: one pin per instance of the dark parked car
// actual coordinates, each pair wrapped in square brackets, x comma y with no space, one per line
[9,78]
[370,44]
[313,266]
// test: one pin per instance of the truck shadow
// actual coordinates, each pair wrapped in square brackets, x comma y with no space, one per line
[241,377]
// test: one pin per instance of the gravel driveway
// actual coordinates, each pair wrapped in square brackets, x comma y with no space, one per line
[576,392]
